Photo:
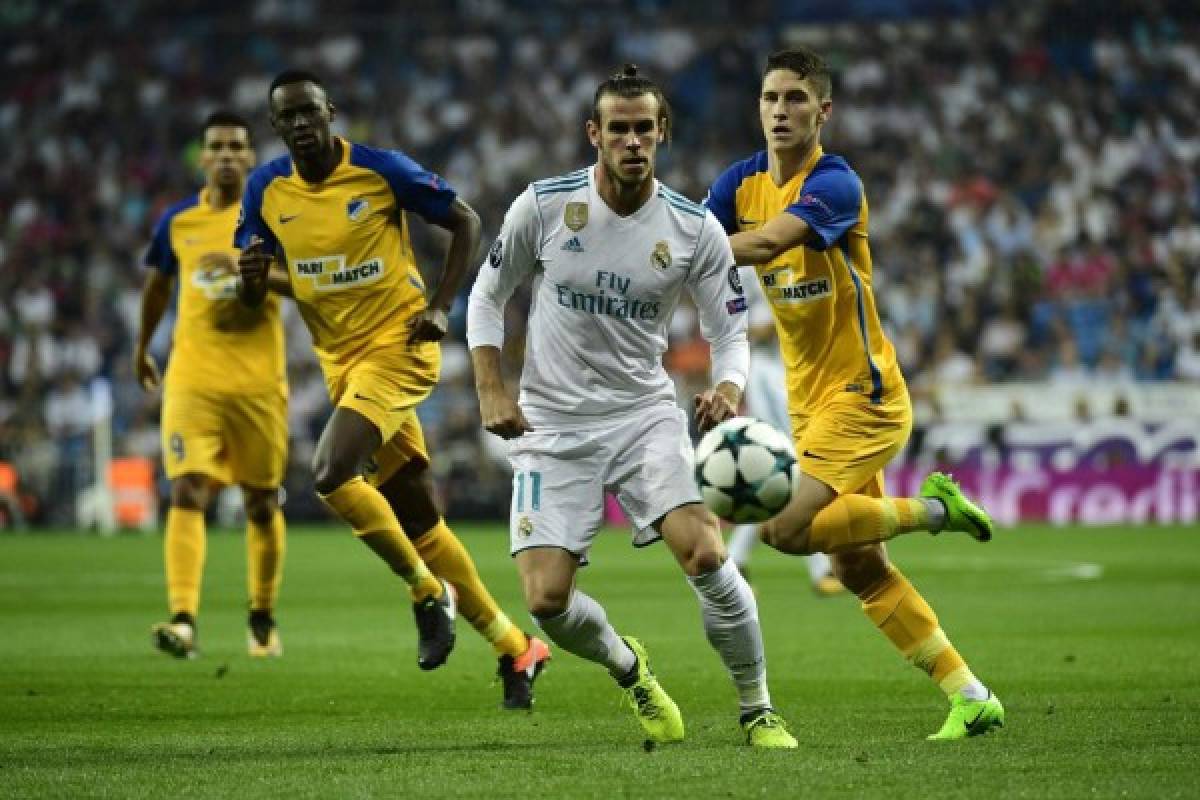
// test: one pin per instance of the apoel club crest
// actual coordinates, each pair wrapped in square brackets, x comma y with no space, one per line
[357,208]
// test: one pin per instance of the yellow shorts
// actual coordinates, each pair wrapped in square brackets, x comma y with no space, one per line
[386,389]
[407,444]
[846,442]
[231,438]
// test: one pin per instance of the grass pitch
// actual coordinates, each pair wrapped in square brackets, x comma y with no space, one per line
[1091,639]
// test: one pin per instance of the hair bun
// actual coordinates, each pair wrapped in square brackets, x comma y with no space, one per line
[628,71]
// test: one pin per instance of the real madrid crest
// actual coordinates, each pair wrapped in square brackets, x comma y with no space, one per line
[575,215]
[660,259]
[524,527]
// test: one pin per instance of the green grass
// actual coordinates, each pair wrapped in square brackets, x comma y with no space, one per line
[1099,675]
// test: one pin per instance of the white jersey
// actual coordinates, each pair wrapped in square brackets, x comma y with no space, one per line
[604,289]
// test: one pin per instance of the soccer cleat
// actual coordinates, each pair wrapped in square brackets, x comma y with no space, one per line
[764,728]
[262,636]
[518,674]
[655,710]
[176,638]
[970,718]
[435,628]
[961,514]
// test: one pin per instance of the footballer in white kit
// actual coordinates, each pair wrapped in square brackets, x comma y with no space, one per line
[594,388]
[609,251]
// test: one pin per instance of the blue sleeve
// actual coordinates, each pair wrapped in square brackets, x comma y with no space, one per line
[829,201]
[722,199]
[160,255]
[414,187]
[250,220]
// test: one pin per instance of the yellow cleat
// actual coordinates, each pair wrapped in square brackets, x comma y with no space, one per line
[767,729]
[655,710]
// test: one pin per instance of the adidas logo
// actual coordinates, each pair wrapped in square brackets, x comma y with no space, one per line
[573,245]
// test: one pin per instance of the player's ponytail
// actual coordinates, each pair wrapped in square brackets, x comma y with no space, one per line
[628,83]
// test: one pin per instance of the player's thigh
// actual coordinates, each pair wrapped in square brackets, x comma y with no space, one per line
[557,493]
[847,442]
[386,389]
[693,536]
[193,436]
[256,439]
[651,467]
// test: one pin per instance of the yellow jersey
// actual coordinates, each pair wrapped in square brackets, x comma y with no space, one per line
[219,344]
[346,246]
[820,293]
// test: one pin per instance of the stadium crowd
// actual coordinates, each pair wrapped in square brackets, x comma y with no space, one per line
[1030,168]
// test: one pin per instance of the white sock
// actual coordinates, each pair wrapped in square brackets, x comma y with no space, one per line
[583,629]
[975,690]
[937,512]
[730,617]
[741,542]
[818,566]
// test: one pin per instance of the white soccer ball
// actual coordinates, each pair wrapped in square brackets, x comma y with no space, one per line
[746,470]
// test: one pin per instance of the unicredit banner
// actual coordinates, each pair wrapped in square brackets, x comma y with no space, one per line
[1100,472]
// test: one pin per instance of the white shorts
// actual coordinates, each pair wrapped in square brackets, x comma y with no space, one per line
[560,478]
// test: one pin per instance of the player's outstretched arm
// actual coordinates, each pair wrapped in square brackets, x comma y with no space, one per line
[465,229]
[764,245]
[499,411]
[156,294]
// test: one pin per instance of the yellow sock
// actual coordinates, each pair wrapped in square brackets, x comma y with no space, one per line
[183,550]
[899,611]
[853,520]
[445,555]
[368,513]
[265,547]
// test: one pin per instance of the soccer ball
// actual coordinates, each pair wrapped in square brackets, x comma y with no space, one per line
[746,470]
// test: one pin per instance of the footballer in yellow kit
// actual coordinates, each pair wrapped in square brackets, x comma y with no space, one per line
[847,399]
[334,214]
[224,417]
[799,215]
[355,281]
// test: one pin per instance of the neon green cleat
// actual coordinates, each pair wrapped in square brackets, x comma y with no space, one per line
[970,718]
[961,514]
[655,709]
[768,730]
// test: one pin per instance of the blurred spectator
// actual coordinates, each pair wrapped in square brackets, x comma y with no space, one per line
[1030,169]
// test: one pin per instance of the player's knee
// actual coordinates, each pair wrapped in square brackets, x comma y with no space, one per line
[261,506]
[860,569]
[190,492]
[790,539]
[329,472]
[544,602]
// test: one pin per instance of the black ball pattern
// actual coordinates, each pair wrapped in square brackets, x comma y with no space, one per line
[744,493]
